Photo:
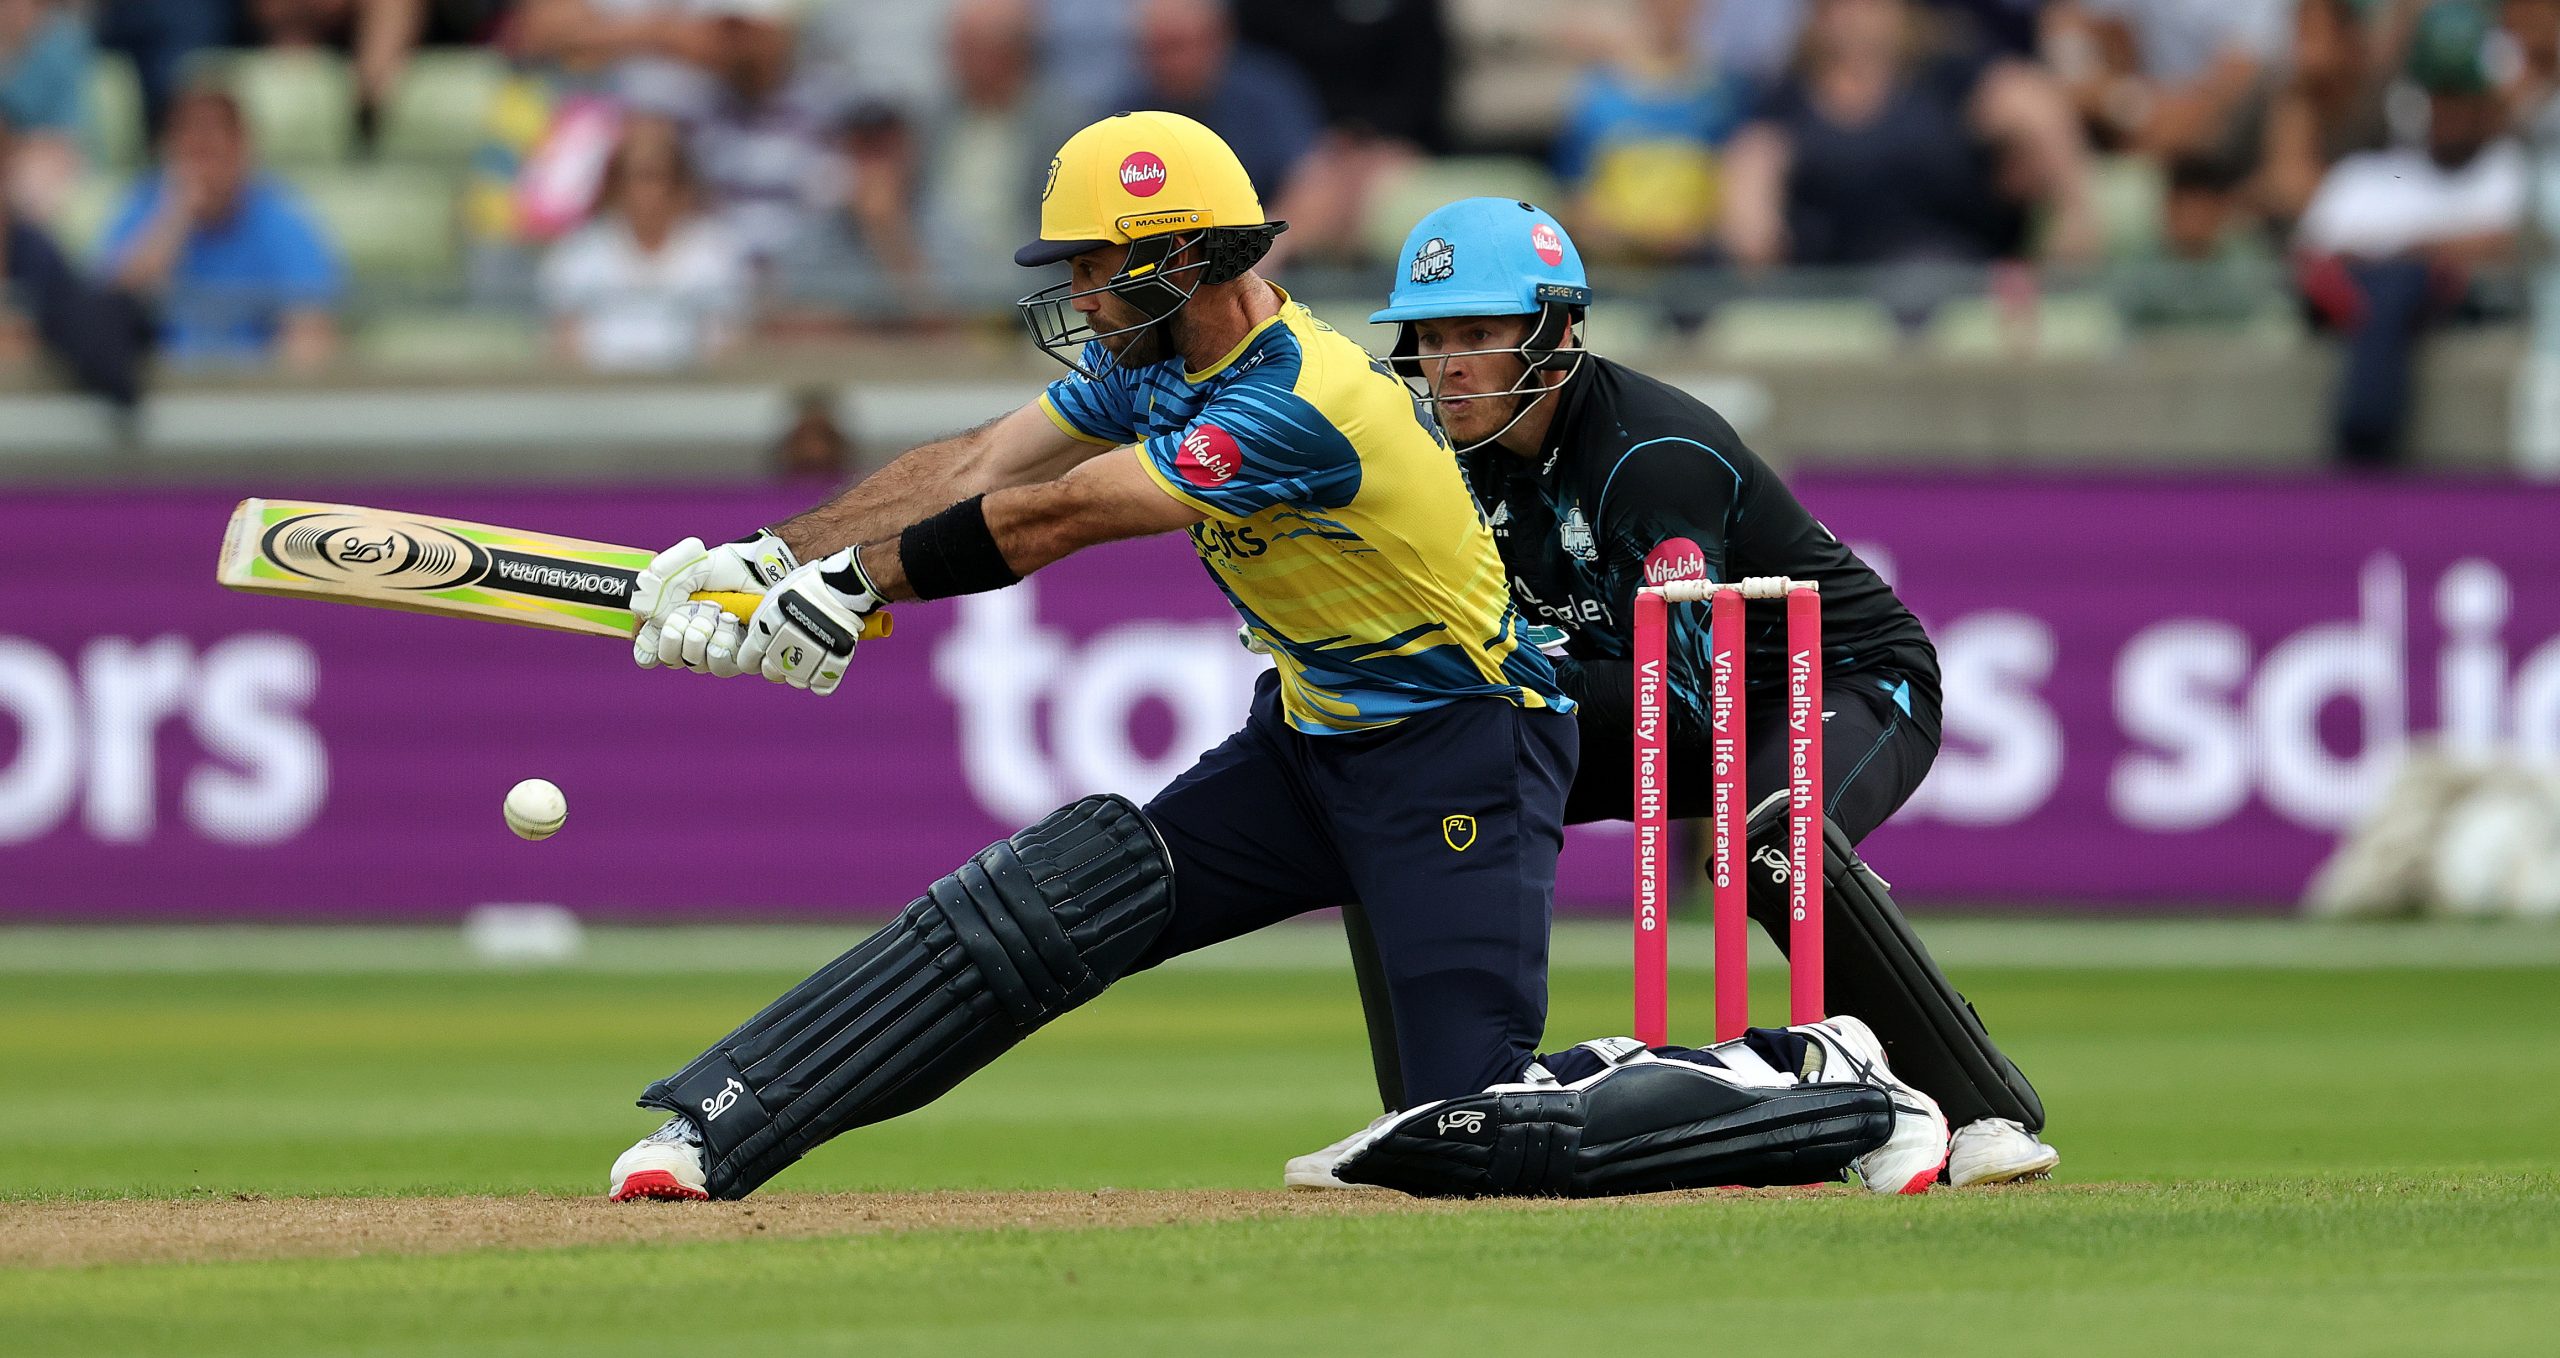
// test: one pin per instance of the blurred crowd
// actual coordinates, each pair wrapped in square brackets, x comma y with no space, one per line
[664,178]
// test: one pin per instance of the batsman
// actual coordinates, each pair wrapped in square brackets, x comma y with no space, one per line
[1409,748]
[1598,479]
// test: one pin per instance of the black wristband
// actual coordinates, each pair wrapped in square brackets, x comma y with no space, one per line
[953,553]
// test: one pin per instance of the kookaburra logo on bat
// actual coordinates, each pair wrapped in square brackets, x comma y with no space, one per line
[361,552]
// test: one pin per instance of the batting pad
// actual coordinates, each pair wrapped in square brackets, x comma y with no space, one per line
[1029,928]
[1877,968]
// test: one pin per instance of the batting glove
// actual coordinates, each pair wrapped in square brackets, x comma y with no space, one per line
[677,629]
[809,624]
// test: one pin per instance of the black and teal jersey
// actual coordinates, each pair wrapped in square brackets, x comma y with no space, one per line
[1639,482]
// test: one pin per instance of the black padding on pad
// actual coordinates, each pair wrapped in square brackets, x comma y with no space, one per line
[1876,968]
[1029,928]
[1644,1128]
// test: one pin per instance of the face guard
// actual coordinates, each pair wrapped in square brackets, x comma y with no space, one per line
[1540,352]
[1156,288]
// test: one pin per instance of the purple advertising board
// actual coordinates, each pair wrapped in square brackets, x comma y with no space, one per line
[2159,692]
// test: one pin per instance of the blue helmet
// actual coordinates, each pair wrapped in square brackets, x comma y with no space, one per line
[1485,257]
[1490,257]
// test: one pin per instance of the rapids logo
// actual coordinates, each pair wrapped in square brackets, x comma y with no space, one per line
[1436,260]
[1469,1120]
[1575,534]
[1142,174]
[722,1102]
[1208,456]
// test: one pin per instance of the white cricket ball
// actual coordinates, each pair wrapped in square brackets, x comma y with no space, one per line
[535,809]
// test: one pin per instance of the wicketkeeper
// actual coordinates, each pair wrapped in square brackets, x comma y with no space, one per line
[1597,479]
[1409,749]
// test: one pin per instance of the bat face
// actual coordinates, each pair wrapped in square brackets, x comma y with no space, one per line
[387,559]
[382,558]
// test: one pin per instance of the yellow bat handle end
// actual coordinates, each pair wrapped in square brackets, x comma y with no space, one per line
[742,606]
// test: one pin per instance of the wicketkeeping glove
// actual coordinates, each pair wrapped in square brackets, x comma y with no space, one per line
[809,624]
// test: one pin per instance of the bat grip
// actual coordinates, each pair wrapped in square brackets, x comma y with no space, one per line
[742,606]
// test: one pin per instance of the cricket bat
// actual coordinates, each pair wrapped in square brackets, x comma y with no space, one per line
[382,558]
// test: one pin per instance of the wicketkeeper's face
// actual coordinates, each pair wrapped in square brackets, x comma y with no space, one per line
[1472,369]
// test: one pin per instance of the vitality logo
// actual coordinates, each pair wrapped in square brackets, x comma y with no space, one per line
[1142,174]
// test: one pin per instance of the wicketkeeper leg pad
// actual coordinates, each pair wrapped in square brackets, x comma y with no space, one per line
[1643,1127]
[1026,930]
[1876,968]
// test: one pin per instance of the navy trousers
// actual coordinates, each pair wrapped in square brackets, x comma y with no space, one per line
[1445,826]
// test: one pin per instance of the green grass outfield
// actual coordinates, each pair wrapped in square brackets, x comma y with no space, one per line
[2277,1139]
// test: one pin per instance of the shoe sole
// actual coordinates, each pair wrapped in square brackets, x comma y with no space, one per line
[1327,1184]
[1924,1181]
[658,1185]
[2040,1168]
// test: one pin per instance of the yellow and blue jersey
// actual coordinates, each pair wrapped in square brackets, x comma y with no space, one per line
[1337,523]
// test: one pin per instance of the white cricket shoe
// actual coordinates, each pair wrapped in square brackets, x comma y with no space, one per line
[667,1163]
[1315,1169]
[1909,1160]
[1997,1151]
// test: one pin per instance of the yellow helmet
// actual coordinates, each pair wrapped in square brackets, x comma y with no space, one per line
[1160,184]
[1135,175]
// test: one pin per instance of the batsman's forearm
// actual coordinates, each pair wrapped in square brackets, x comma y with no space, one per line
[919,482]
[1040,528]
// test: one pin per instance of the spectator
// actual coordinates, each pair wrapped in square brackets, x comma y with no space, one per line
[653,282]
[1756,39]
[1753,40]
[2391,239]
[1379,67]
[857,249]
[379,35]
[652,54]
[160,37]
[2533,27]
[762,139]
[894,56]
[240,271]
[44,78]
[1381,71]
[100,336]
[1088,49]
[2184,82]
[2334,102]
[1878,152]
[1189,63]
[2001,28]
[1641,135]
[815,448]
[990,151]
